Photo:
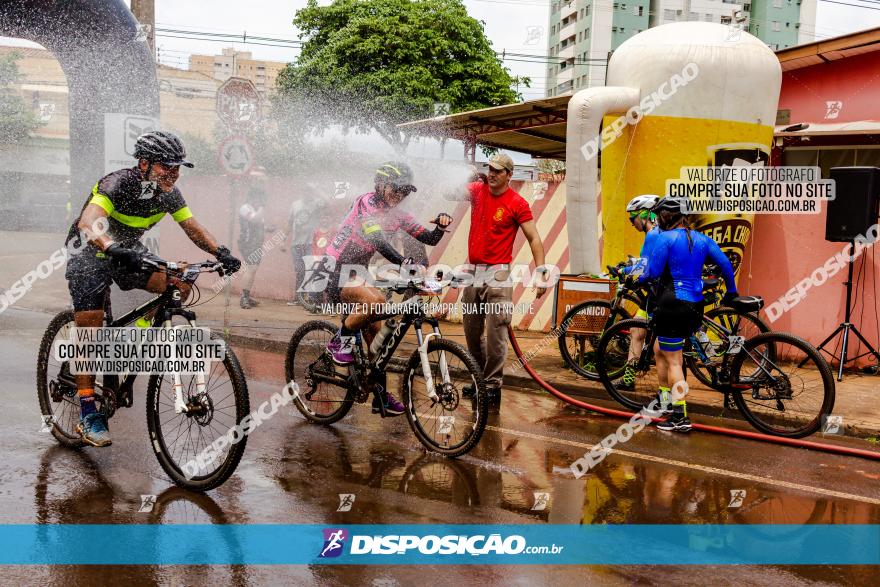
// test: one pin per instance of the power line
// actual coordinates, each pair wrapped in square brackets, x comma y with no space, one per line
[854,5]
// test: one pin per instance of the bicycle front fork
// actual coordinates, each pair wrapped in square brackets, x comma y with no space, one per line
[180,406]
[426,362]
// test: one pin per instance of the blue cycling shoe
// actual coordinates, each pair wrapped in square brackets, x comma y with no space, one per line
[93,429]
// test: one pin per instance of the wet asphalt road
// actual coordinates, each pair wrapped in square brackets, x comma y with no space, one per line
[293,472]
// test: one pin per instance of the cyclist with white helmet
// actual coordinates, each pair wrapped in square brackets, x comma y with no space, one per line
[644,220]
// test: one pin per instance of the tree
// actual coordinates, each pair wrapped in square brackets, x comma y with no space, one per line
[16,119]
[372,64]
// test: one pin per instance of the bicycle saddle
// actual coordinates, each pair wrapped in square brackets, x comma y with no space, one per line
[747,303]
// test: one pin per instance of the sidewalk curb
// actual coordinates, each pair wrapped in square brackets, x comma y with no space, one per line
[588,391]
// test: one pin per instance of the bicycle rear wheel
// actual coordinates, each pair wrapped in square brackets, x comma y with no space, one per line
[613,352]
[782,385]
[580,331]
[451,424]
[739,324]
[56,386]
[307,361]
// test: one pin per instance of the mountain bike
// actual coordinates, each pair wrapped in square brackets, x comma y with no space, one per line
[583,324]
[185,413]
[780,383]
[442,386]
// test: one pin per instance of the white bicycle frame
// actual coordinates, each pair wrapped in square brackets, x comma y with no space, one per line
[176,381]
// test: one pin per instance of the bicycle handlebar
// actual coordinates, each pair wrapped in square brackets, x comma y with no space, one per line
[186,271]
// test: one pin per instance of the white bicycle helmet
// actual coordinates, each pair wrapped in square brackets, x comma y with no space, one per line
[643,202]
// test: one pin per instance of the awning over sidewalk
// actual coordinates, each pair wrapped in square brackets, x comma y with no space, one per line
[536,127]
[860,127]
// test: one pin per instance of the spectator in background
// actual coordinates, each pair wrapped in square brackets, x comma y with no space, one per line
[301,222]
[252,233]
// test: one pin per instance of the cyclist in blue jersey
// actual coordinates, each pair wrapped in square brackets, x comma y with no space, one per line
[643,219]
[676,265]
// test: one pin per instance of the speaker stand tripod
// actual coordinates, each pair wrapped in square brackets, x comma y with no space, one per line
[846,326]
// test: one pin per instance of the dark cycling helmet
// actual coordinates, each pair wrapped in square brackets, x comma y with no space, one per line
[396,173]
[161,147]
[669,204]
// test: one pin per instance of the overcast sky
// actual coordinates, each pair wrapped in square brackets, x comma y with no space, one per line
[510,25]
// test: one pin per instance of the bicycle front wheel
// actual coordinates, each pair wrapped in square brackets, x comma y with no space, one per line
[782,385]
[183,441]
[580,331]
[451,423]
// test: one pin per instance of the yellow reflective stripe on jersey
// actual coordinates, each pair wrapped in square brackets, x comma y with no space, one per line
[182,214]
[101,200]
[370,227]
[137,221]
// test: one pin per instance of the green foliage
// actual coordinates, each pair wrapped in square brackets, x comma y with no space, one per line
[17,120]
[372,64]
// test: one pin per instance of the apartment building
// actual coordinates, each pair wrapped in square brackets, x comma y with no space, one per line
[232,63]
[584,33]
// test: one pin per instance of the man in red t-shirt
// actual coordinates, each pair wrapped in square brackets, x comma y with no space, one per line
[497,212]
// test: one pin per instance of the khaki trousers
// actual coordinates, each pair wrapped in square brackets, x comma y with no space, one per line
[487,312]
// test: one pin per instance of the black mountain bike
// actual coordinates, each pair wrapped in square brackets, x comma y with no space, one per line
[442,386]
[780,383]
[185,413]
[582,326]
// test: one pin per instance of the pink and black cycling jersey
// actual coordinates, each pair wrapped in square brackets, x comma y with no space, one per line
[364,229]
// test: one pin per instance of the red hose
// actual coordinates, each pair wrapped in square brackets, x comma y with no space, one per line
[831,448]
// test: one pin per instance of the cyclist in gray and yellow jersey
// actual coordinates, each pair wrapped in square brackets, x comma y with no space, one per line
[131,201]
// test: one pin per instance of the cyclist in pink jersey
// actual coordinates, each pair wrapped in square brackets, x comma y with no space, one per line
[366,229]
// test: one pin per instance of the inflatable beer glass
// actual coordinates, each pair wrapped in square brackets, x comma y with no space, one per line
[707,96]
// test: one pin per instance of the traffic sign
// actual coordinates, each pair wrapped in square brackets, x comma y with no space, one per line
[238,103]
[236,155]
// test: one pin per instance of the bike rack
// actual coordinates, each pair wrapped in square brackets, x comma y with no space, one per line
[796,442]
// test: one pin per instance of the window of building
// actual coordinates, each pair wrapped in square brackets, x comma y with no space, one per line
[623,6]
[616,6]
[587,33]
[587,9]
[776,26]
[669,14]
[637,10]
[693,16]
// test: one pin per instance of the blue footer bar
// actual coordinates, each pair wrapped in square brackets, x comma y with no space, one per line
[119,544]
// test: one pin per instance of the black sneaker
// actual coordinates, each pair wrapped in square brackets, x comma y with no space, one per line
[624,386]
[676,423]
[659,409]
[494,397]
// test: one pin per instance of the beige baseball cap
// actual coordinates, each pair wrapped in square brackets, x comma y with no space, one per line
[501,161]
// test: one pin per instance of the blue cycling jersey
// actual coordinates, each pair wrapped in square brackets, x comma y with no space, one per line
[676,264]
[647,247]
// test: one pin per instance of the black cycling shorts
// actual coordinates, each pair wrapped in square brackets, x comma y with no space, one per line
[89,277]
[675,318]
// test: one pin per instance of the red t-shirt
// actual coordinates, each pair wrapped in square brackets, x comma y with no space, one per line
[494,222]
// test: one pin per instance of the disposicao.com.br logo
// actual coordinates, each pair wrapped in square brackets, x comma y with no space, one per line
[410,544]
